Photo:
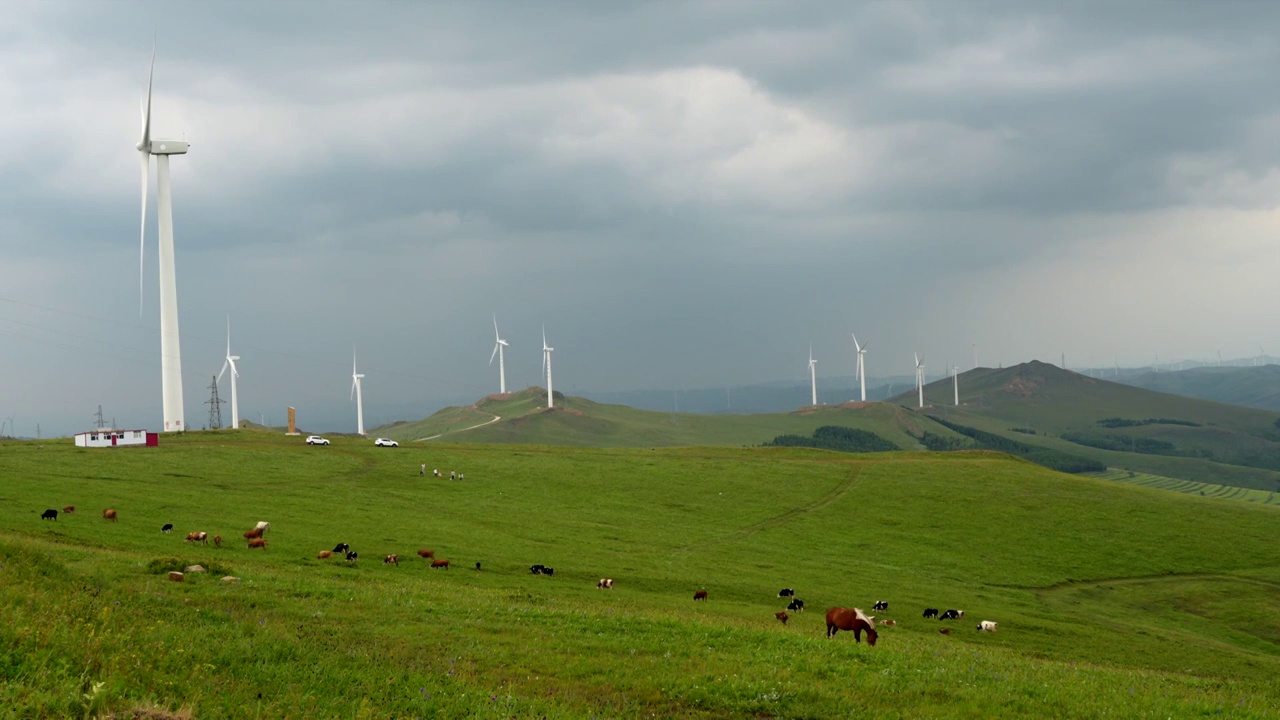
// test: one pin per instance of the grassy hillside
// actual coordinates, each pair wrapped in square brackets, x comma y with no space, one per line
[1113,600]
[523,418]
[1257,387]
[1192,439]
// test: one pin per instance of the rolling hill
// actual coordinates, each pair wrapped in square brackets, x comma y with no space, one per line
[522,417]
[1256,387]
[1120,425]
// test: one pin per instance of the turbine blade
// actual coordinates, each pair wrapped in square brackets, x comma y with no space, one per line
[145,143]
[353,387]
[225,362]
[228,336]
[495,328]
[142,235]
[495,353]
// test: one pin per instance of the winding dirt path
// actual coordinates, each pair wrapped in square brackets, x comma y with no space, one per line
[495,419]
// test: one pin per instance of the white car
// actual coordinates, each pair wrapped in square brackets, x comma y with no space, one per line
[316,440]
[385,442]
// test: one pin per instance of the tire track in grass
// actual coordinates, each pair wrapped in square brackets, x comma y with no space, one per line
[839,491]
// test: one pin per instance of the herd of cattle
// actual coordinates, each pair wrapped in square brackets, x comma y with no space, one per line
[838,618]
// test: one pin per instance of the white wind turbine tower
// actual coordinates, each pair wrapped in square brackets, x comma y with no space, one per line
[546,368]
[813,377]
[955,382]
[497,351]
[861,370]
[230,362]
[920,379]
[170,356]
[356,377]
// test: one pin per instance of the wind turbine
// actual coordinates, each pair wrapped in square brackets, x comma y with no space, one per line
[955,381]
[813,377]
[862,371]
[546,367]
[230,362]
[170,355]
[497,351]
[355,394]
[919,378]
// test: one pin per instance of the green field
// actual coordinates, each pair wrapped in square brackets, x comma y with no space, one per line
[1113,600]
[1223,492]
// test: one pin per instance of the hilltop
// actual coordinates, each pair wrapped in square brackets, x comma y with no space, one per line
[522,417]
[1120,425]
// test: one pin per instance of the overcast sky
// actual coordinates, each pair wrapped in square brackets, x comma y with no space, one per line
[686,194]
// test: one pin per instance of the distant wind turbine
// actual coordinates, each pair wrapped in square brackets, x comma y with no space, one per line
[170,354]
[813,377]
[955,382]
[356,377]
[498,345]
[546,367]
[230,363]
[861,369]
[920,379]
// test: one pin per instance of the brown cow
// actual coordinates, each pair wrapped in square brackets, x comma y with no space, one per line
[426,553]
[391,559]
[324,555]
[200,537]
[254,533]
[109,514]
[440,564]
[945,631]
[839,618]
[782,616]
[888,623]
[217,541]
[700,595]
[69,509]
[257,542]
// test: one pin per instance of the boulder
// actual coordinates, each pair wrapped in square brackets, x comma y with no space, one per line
[176,576]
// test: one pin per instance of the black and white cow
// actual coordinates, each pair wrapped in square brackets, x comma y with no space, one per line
[49,515]
[341,548]
[796,605]
[880,605]
[930,613]
[951,615]
[786,592]
[166,528]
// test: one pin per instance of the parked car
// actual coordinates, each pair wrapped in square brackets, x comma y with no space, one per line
[316,440]
[386,442]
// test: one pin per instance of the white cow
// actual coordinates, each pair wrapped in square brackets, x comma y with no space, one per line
[987,626]
[263,525]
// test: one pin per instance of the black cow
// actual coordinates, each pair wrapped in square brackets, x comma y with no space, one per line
[786,592]
[166,528]
[536,569]
[352,556]
[477,566]
[796,605]
[951,615]
[49,515]
[880,605]
[342,548]
[930,612]
[548,571]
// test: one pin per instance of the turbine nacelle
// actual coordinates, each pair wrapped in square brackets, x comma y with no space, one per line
[166,147]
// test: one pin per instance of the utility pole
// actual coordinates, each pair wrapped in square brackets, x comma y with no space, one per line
[215,406]
[101,423]
[37,431]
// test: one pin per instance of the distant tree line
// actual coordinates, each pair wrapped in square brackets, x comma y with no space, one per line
[1116,422]
[1048,457]
[1024,431]
[1103,441]
[833,437]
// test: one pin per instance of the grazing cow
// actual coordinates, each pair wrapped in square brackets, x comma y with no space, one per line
[536,569]
[880,605]
[166,528]
[786,592]
[69,509]
[440,564]
[200,537]
[262,525]
[251,534]
[352,556]
[888,623]
[426,553]
[217,541]
[109,514]
[782,616]
[605,584]
[987,626]
[477,565]
[341,548]
[945,631]
[840,618]
[257,542]
[930,613]
[548,571]
[951,615]
[324,554]
[49,515]
[796,605]
[700,595]
[392,559]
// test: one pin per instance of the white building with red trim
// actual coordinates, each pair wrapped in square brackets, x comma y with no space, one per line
[117,438]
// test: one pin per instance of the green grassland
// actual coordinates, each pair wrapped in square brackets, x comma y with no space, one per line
[1224,492]
[524,419]
[1113,600]
[1251,386]
[1229,445]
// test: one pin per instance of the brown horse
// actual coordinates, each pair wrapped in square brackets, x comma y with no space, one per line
[839,618]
